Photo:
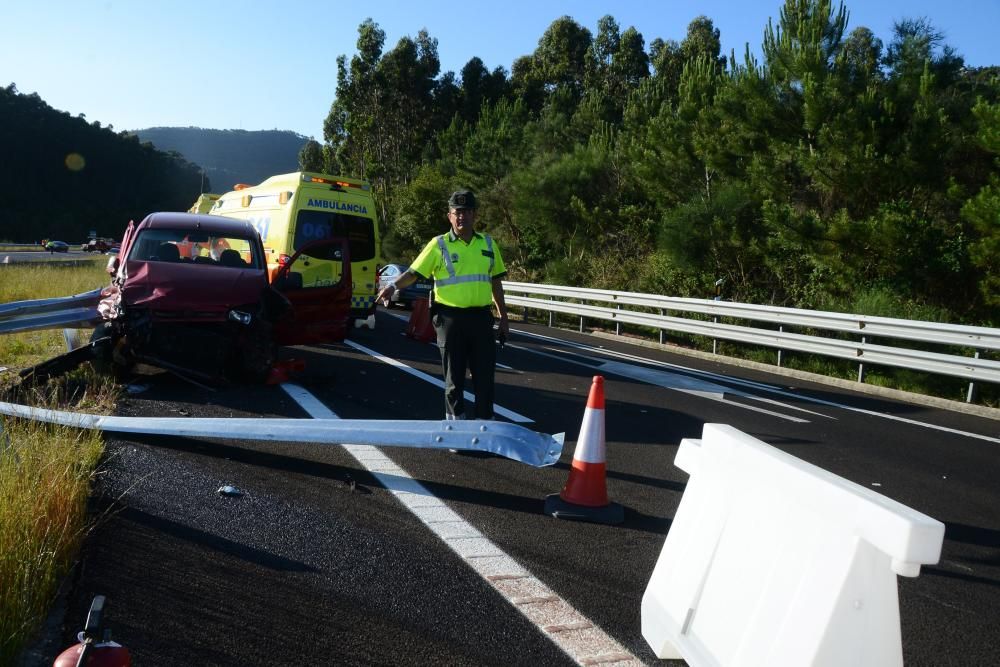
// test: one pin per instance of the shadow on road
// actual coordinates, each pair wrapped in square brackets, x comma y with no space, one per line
[214,542]
[357,479]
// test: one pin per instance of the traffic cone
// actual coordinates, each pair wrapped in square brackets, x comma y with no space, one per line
[585,496]
[281,371]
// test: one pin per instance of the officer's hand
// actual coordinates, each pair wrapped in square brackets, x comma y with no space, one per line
[385,293]
[503,327]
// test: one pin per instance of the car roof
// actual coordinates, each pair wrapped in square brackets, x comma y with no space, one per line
[212,224]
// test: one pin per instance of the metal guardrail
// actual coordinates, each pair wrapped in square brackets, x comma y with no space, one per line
[78,311]
[512,441]
[578,301]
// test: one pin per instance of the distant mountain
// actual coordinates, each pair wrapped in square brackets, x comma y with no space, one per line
[230,156]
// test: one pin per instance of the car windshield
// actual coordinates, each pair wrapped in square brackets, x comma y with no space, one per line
[186,246]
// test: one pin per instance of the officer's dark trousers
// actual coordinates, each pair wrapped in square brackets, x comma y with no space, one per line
[465,338]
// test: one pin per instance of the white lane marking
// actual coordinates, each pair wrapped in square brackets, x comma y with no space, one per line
[685,384]
[769,388]
[754,397]
[308,402]
[909,421]
[681,383]
[567,628]
[398,316]
[403,333]
[500,410]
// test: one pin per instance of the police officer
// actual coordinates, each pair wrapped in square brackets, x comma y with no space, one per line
[467,270]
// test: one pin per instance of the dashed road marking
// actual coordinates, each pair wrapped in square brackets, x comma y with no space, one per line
[567,628]
[500,410]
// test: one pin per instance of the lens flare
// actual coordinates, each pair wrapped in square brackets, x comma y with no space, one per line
[75,162]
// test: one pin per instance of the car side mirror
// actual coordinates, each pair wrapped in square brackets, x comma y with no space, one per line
[112,267]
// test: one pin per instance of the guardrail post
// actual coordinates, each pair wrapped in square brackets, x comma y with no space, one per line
[971,396]
[618,325]
[780,330]
[715,341]
[581,324]
[551,298]
[861,366]
[661,330]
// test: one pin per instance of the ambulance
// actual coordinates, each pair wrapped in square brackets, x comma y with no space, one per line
[291,210]
[204,203]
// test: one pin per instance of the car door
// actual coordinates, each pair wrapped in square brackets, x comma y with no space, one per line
[321,311]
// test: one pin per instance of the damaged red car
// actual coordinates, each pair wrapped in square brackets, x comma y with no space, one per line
[190,294]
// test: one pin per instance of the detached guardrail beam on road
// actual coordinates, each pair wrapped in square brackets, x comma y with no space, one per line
[511,441]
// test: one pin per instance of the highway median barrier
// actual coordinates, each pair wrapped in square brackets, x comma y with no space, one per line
[773,561]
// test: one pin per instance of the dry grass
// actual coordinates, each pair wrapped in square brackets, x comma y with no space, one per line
[45,474]
[21,282]
[43,280]
[45,471]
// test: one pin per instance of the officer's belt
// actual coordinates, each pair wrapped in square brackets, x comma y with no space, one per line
[444,308]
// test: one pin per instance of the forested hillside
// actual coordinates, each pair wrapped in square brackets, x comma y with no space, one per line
[844,170]
[231,156]
[61,176]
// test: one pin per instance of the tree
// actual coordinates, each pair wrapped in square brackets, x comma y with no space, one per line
[668,63]
[616,64]
[479,87]
[983,210]
[833,167]
[382,120]
[702,40]
[352,127]
[561,56]
[52,158]
[311,157]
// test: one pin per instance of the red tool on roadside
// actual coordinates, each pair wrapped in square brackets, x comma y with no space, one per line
[95,648]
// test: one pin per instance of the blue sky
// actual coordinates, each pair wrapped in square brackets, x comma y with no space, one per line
[272,65]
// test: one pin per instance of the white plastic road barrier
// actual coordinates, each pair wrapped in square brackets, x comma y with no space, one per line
[773,561]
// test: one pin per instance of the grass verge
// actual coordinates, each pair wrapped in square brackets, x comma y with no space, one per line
[44,280]
[45,470]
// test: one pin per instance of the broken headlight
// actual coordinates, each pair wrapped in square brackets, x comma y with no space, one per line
[240,316]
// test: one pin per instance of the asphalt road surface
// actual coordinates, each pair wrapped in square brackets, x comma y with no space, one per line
[327,558]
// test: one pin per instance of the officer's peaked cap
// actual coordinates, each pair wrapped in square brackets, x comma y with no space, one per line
[462,199]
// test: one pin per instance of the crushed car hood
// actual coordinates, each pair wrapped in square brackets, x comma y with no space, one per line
[181,288]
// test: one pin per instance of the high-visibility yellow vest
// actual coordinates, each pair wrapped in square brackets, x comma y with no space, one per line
[463,273]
